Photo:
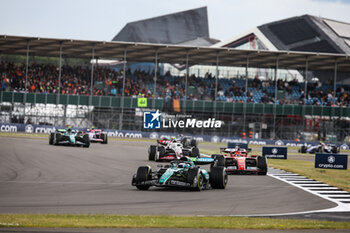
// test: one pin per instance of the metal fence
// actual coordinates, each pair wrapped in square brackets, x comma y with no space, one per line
[255,120]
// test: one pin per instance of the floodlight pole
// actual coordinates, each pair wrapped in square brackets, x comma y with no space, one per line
[275,104]
[122,102]
[155,78]
[92,79]
[245,94]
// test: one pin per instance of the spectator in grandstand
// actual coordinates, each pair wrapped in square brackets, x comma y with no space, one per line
[43,78]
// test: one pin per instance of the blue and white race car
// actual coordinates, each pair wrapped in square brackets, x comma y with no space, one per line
[320,148]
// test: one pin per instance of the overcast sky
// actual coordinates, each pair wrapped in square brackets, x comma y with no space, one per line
[103,19]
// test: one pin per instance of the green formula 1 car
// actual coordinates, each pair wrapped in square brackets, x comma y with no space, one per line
[183,173]
[69,137]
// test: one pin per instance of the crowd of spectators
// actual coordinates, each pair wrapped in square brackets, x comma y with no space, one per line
[43,78]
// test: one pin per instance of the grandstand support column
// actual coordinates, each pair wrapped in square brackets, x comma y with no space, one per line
[335,81]
[26,84]
[92,82]
[155,78]
[334,91]
[59,82]
[122,102]
[245,94]
[216,82]
[27,64]
[185,99]
[305,89]
[275,104]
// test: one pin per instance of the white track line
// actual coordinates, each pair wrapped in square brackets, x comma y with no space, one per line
[333,196]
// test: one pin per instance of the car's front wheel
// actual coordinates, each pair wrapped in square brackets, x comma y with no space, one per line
[143,174]
[86,140]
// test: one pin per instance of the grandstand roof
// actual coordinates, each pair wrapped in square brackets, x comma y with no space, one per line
[169,29]
[145,52]
[308,33]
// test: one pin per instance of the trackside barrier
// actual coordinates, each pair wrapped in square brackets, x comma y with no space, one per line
[32,128]
[331,161]
[274,152]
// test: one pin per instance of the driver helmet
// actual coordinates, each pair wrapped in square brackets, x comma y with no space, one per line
[69,130]
[173,139]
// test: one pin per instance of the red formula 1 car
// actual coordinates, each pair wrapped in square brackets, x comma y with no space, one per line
[237,160]
[96,135]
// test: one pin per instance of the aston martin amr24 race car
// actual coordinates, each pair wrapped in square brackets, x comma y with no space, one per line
[181,173]
[170,151]
[320,148]
[69,137]
[237,160]
[96,135]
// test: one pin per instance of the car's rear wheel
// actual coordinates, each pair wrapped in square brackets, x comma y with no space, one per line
[195,152]
[57,138]
[51,138]
[143,174]
[195,179]
[262,165]
[303,149]
[152,153]
[193,142]
[218,177]
[220,161]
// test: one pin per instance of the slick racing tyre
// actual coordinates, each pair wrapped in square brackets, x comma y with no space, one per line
[195,152]
[220,161]
[193,143]
[184,142]
[57,138]
[262,165]
[51,138]
[152,153]
[86,140]
[104,138]
[303,149]
[143,174]
[195,178]
[218,177]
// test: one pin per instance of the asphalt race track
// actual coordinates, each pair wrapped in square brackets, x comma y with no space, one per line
[36,177]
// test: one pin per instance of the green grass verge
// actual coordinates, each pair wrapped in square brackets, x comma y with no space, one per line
[338,178]
[138,221]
